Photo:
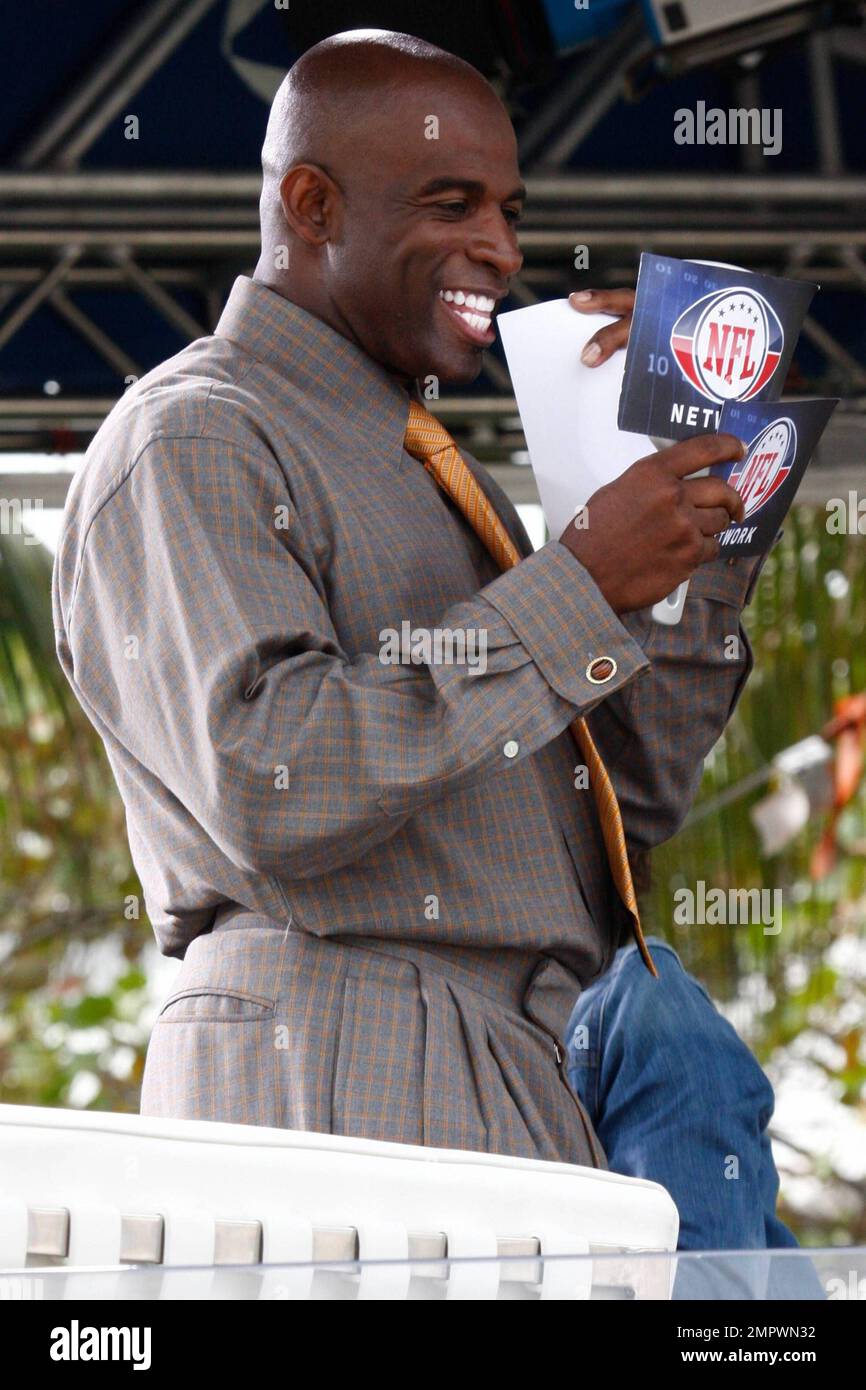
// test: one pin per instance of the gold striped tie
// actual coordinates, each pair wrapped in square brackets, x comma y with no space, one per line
[430,442]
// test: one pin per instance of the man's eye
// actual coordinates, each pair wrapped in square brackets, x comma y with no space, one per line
[458,205]
[512,215]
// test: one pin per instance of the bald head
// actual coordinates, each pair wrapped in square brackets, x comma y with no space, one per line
[361,123]
[345,83]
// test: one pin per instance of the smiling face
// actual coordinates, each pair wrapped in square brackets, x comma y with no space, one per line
[429,243]
[406,244]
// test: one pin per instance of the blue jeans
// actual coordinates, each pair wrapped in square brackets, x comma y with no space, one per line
[676,1096]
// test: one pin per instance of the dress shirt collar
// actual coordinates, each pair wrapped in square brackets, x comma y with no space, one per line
[314,357]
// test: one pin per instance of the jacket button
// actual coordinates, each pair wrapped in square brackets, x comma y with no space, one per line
[601,670]
[512,748]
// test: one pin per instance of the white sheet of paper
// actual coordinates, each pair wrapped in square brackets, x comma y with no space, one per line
[568,410]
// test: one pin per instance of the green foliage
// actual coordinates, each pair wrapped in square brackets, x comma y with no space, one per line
[809,650]
[67,884]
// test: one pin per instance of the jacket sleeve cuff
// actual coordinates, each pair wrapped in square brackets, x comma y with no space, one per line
[565,624]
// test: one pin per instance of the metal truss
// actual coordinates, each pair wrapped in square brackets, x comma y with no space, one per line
[67,133]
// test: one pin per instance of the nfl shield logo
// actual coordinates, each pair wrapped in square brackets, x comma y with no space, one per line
[766,465]
[728,344]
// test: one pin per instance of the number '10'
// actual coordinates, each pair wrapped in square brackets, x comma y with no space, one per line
[658,366]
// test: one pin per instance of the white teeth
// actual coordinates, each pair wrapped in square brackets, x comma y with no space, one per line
[480,302]
[478,321]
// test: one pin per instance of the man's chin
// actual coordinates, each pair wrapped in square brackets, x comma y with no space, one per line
[457,372]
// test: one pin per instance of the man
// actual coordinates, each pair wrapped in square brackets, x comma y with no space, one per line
[388,881]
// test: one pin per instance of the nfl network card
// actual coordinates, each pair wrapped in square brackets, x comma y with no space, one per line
[702,336]
[781,439]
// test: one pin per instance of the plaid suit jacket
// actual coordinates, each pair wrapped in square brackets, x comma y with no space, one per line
[245,527]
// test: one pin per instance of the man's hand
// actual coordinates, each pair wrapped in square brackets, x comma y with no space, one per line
[614,335]
[644,533]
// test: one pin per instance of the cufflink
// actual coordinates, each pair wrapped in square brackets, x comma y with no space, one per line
[600,670]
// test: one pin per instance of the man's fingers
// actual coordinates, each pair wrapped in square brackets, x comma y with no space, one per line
[712,520]
[613,336]
[702,451]
[714,493]
[605,342]
[711,550]
[602,301]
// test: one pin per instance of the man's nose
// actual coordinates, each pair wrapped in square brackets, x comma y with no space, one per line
[497,246]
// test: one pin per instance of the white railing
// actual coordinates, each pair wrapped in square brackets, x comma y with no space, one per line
[187,1207]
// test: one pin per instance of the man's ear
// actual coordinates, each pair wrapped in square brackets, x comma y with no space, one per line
[311,203]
